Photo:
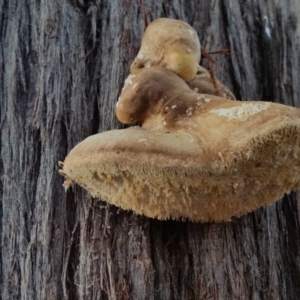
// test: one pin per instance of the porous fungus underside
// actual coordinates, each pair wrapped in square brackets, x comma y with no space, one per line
[160,183]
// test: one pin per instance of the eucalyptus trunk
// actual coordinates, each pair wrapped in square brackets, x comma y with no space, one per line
[63,64]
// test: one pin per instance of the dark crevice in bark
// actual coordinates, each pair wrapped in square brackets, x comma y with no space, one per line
[96,118]
[1,215]
[73,235]
[290,240]
[154,237]
[235,82]
[36,168]
[267,68]
[165,11]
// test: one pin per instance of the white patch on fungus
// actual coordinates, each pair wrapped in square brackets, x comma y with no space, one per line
[248,154]
[189,111]
[196,90]
[221,156]
[174,106]
[235,185]
[241,112]
[202,75]
[128,81]
[201,98]
[191,32]
[148,64]
[118,102]
[140,55]
[142,140]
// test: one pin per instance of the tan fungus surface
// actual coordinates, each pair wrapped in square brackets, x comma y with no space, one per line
[204,158]
[198,154]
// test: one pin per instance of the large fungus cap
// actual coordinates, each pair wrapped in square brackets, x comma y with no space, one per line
[172,44]
[199,157]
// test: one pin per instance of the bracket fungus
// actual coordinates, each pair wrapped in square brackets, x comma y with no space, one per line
[195,156]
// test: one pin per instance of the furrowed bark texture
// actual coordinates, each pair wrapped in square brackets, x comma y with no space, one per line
[63,64]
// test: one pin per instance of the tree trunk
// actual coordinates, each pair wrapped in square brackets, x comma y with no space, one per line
[63,66]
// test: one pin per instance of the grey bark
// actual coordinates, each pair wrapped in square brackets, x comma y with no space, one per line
[63,64]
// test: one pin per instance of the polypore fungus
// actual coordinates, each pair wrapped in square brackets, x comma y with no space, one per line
[196,156]
[199,157]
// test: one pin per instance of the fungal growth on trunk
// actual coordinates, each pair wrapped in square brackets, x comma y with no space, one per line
[198,156]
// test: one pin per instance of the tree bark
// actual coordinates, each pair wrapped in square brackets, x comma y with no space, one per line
[63,64]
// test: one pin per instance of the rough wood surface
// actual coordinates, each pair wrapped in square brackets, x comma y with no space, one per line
[62,67]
